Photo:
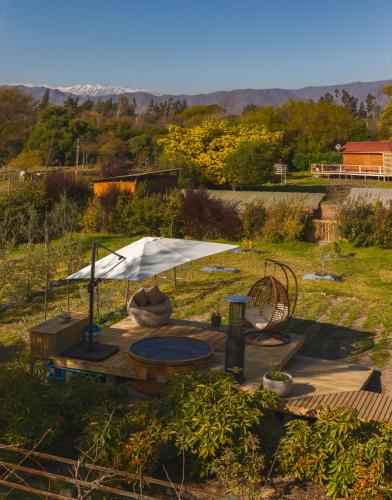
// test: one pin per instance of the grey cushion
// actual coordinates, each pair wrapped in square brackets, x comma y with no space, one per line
[140,298]
[155,296]
[156,308]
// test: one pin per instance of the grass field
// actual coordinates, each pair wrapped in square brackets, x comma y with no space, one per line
[351,319]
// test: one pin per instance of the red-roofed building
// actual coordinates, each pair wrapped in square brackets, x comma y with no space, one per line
[360,159]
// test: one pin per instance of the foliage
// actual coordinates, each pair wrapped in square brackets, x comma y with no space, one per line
[352,458]
[17,115]
[286,221]
[58,183]
[253,218]
[366,224]
[26,160]
[308,126]
[277,375]
[302,161]
[149,214]
[56,132]
[32,406]
[252,163]
[207,217]
[208,145]
[205,413]
[241,475]
[27,409]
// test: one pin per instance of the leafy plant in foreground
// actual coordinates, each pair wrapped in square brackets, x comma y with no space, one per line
[351,457]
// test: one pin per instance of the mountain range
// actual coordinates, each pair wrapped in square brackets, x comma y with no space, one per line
[233,101]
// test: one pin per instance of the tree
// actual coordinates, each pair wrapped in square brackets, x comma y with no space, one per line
[385,125]
[208,145]
[45,99]
[124,107]
[349,102]
[308,126]
[17,115]
[251,163]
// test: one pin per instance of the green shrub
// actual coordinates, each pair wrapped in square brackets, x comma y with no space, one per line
[205,413]
[366,224]
[28,407]
[285,221]
[253,218]
[302,161]
[251,163]
[208,217]
[149,215]
[351,457]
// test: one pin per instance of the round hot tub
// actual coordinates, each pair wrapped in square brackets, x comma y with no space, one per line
[158,357]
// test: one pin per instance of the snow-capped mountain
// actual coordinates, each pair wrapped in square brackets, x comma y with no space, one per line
[233,101]
[89,89]
[98,89]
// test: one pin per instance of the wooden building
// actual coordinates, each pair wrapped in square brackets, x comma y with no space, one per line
[360,159]
[160,181]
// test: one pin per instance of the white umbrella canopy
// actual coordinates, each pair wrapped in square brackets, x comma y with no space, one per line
[148,257]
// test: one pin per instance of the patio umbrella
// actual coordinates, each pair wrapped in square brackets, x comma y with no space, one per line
[142,259]
[148,257]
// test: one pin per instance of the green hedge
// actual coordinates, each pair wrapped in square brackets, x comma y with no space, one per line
[302,161]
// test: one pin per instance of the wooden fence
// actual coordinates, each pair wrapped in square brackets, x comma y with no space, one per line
[82,478]
[324,230]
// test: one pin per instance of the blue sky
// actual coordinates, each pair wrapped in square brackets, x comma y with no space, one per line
[195,46]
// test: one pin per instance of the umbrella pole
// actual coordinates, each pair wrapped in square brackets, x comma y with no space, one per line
[175,278]
[91,287]
[67,295]
[126,295]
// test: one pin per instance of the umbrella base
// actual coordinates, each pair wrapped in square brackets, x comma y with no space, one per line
[99,352]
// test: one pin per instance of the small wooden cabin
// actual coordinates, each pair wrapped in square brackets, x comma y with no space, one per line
[376,153]
[160,181]
[365,159]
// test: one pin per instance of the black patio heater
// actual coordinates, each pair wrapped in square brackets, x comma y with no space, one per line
[235,342]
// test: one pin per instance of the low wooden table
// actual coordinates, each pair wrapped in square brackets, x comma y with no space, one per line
[52,337]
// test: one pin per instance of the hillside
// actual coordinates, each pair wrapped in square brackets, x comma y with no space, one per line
[233,101]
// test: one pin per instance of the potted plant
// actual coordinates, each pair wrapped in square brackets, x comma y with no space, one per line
[216,318]
[279,381]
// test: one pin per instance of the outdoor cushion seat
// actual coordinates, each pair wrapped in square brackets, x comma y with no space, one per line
[151,314]
[256,318]
[155,308]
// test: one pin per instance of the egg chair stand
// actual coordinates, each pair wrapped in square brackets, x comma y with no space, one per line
[272,303]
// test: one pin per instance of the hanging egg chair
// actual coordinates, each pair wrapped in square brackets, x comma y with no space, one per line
[271,305]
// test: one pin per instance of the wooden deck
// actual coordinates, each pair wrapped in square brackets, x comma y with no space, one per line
[314,376]
[370,405]
[348,170]
[125,332]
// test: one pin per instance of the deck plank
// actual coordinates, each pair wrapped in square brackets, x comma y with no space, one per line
[370,405]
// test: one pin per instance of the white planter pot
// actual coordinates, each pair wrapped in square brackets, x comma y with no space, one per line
[281,387]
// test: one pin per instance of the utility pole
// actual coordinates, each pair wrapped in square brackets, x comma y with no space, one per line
[77,157]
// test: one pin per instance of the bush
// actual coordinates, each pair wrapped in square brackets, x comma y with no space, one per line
[285,222]
[31,405]
[206,217]
[28,408]
[251,163]
[152,215]
[205,413]
[351,457]
[253,219]
[366,224]
[58,183]
[302,161]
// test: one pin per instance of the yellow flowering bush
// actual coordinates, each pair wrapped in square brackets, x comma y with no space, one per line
[207,145]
